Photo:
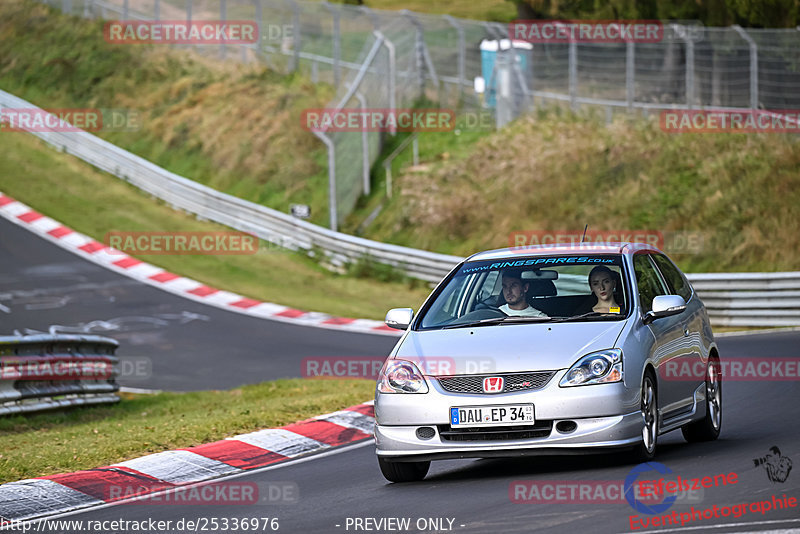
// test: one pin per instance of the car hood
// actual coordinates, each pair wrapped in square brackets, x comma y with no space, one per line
[506,348]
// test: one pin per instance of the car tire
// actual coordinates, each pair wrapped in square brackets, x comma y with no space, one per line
[708,428]
[403,471]
[646,450]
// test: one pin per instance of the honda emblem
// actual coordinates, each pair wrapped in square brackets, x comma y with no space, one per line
[493,384]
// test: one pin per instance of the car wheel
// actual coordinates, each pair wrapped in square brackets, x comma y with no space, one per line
[707,429]
[403,471]
[646,450]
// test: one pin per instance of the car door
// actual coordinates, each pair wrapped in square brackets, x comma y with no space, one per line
[669,345]
[691,322]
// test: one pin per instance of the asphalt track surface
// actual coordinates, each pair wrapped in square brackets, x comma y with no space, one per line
[475,493]
[187,345]
[42,285]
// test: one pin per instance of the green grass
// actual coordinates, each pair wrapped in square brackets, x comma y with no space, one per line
[84,438]
[95,203]
[231,126]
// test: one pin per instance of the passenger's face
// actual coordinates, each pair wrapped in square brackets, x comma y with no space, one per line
[602,286]
[514,290]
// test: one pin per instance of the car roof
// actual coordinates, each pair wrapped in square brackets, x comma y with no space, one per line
[563,249]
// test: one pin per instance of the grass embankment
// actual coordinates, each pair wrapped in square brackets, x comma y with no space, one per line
[143,424]
[556,171]
[94,203]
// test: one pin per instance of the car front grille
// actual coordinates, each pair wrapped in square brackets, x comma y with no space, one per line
[541,429]
[513,382]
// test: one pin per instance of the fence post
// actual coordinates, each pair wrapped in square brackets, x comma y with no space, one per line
[223,15]
[295,35]
[66,6]
[364,147]
[392,81]
[331,178]
[125,10]
[573,74]
[376,22]
[753,65]
[86,8]
[689,65]
[188,11]
[419,45]
[157,9]
[337,43]
[461,54]
[630,72]
[260,26]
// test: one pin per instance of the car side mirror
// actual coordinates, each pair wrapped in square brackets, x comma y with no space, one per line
[399,318]
[665,306]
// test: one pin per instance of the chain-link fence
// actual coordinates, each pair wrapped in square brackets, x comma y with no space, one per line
[394,59]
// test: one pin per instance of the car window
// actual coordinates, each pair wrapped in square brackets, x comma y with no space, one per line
[554,287]
[647,281]
[678,283]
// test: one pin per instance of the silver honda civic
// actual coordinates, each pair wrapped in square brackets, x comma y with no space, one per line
[564,349]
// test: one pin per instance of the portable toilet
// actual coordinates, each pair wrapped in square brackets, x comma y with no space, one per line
[489,50]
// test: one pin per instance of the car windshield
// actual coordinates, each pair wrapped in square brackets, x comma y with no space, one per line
[530,289]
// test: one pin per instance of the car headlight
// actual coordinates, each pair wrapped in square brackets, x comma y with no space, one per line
[599,367]
[399,376]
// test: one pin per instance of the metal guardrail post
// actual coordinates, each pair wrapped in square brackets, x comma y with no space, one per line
[86,11]
[188,10]
[125,9]
[66,6]
[462,50]
[630,72]
[157,9]
[296,39]
[331,178]
[753,64]
[43,372]
[337,43]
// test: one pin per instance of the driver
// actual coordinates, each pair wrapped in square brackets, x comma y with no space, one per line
[515,291]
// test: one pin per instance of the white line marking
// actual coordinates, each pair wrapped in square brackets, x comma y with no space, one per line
[5,308]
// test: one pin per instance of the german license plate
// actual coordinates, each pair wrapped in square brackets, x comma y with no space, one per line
[498,414]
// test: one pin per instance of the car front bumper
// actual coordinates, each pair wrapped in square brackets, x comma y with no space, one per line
[605,416]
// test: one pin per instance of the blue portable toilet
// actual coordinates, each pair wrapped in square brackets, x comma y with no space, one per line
[489,50]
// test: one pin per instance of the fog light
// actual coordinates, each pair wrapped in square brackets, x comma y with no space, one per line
[425,432]
[565,427]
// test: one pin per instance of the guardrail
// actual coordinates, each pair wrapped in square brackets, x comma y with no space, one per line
[739,299]
[44,372]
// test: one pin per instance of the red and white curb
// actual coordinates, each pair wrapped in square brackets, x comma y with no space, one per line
[118,261]
[56,494]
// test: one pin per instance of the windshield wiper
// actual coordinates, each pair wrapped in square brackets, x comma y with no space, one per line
[593,314]
[499,320]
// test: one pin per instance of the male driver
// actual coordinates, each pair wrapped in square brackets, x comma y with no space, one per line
[515,291]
